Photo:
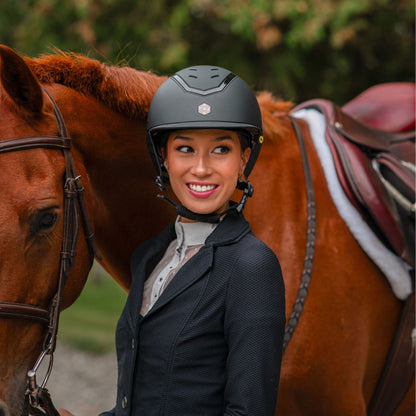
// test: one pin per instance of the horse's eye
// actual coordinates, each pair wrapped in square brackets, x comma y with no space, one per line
[48,220]
[44,221]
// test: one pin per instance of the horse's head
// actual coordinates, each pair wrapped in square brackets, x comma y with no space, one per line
[31,224]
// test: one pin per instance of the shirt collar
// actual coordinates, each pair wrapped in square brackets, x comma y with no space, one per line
[192,233]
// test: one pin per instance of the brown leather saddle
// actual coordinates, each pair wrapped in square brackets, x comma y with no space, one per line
[376,168]
[389,106]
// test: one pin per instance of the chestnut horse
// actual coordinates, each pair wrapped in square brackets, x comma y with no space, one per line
[339,347]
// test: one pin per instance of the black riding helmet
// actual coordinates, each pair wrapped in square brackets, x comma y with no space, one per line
[204,97]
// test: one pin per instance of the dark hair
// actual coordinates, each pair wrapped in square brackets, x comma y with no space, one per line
[245,139]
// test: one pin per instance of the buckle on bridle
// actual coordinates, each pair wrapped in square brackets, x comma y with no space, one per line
[32,389]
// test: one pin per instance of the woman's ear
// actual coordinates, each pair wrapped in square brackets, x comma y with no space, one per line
[165,160]
[245,155]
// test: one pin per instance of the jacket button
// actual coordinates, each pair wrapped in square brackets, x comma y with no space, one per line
[124,402]
[132,343]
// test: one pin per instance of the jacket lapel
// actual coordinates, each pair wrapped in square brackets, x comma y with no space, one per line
[187,275]
[230,230]
[143,261]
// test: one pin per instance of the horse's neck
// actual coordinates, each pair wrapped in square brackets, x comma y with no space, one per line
[279,199]
[278,210]
[122,191]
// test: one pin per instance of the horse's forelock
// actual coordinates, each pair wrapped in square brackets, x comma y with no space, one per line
[120,88]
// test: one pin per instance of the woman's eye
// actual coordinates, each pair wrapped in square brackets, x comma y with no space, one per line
[184,149]
[221,150]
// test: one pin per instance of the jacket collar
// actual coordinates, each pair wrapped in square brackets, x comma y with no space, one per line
[231,229]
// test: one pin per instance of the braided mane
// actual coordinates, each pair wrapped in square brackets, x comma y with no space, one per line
[120,88]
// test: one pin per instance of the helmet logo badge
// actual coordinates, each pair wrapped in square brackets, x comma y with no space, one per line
[204,109]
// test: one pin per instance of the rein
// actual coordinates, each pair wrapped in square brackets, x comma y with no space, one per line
[37,399]
[310,241]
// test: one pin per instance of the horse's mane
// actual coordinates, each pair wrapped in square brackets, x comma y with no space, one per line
[272,111]
[123,89]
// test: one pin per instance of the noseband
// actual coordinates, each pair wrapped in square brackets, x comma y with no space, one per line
[37,398]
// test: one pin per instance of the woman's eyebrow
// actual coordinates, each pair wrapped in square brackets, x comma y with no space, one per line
[179,137]
[222,138]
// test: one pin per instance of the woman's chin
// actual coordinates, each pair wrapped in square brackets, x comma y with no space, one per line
[206,210]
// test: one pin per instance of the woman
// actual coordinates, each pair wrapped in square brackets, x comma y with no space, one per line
[201,332]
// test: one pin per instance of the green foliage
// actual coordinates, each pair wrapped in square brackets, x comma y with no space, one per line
[298,49]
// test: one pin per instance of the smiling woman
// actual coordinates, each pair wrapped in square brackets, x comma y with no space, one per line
[204,166]
[205,98]
[202,329]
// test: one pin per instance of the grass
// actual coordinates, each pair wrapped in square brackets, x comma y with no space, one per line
[89,324]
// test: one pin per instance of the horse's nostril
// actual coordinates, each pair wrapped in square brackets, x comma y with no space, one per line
[3,409]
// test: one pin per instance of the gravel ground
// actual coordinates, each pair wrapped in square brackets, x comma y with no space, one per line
[83,383]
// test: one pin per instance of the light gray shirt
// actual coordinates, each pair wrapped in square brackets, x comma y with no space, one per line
[190,237]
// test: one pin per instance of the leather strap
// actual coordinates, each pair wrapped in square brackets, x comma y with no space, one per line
[40,406]
[310,242]
[22,311]
[399,370]
[26,143]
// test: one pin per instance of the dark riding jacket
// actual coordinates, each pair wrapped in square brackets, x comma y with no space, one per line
[212,343]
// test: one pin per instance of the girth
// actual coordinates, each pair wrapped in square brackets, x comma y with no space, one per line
[74,206]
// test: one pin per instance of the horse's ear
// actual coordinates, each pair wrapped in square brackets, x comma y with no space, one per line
[19,82]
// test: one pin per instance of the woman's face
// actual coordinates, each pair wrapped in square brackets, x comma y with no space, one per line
[203,167]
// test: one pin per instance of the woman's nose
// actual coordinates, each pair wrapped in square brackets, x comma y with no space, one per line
[201,166]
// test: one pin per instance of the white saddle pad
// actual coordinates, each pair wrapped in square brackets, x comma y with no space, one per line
[395,269]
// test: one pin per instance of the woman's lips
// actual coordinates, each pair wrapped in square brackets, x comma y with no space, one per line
[201,191]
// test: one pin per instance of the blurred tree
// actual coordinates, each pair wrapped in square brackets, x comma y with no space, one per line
[298,49]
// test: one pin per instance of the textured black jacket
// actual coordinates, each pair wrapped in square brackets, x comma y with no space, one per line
[212,343]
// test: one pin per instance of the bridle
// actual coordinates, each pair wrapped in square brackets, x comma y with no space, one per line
[37,399]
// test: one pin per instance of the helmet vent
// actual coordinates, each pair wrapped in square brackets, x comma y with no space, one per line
[203,80]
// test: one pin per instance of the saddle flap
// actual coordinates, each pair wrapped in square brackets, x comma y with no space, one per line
[354,146]
[380,185]
[366,192]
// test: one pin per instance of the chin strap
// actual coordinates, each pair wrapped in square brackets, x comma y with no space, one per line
[213,218]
